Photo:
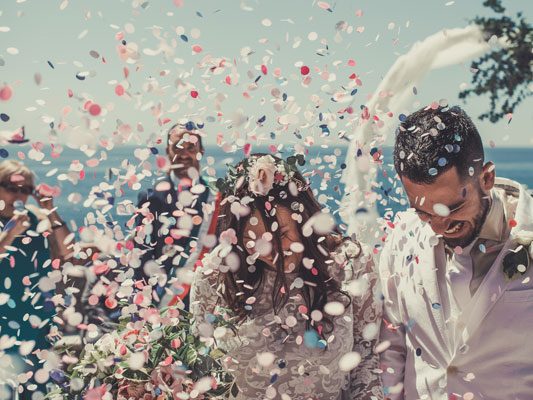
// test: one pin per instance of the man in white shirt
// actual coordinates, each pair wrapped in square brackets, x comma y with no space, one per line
[458,293]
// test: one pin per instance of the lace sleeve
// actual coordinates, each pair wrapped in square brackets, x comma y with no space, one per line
[363,285]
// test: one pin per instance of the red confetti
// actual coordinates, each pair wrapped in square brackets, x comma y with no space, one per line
[94,109]
[264,69]
[512,223]
[110,303]
[169,240]
[194,94]
[304,70]
[70,93]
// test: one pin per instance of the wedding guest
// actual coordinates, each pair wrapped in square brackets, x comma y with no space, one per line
[32,238]
[303,297]
[456,269]
[177,218]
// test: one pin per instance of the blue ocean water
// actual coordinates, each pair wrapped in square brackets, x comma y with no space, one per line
[513,163]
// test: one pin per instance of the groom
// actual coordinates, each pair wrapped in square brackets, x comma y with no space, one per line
[455,269]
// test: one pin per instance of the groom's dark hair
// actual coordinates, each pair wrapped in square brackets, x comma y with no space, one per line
[431,141]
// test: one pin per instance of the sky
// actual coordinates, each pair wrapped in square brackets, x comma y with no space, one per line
[236,66]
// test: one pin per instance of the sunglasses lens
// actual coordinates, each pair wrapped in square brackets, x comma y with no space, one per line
[19,189]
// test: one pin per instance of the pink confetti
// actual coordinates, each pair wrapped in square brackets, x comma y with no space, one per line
[351,63]
[264,69]
[93,300]
[197,49]
[119,90]
[5,93]
[178,3]
[247,149]
[93,162]
[304,70]
[161,161]
[49,191]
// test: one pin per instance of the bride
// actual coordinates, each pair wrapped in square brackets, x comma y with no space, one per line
[303,297]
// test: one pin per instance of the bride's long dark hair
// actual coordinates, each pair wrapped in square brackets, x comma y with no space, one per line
[242,284]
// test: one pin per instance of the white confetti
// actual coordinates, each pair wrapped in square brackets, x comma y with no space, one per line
[349,361]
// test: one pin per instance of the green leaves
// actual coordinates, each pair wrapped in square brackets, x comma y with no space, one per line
[505,73]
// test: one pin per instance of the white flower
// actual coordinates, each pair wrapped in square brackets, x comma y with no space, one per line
[524,237]
[261,175]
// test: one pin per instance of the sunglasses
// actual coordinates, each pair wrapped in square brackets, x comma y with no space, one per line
[27,190]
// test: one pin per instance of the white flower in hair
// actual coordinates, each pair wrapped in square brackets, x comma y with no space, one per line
[261,175]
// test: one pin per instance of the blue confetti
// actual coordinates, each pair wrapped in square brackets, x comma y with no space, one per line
[311,339]
[402,117]
[433,171]
[184,38]
[4,117]
[442,162]
[436,306]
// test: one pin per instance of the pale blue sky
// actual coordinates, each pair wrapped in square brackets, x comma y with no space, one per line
[41,31]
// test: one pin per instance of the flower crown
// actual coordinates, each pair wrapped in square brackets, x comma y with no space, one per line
[261,174]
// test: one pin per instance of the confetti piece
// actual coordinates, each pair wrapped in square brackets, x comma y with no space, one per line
[5,93]
[94,109]
[349,361]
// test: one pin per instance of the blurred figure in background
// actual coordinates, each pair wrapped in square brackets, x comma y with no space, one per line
[33,242]
[176,219]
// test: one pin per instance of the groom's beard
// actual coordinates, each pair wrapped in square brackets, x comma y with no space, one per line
[478,222]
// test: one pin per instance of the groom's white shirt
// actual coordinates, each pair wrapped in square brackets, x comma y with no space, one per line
[436,350]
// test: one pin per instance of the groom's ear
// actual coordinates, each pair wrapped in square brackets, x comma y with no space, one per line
[487,176]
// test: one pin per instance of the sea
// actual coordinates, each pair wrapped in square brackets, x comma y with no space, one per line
[84,197]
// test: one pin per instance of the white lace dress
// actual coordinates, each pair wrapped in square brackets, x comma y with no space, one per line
[270,355]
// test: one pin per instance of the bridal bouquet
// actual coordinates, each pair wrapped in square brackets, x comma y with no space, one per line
[152,355]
